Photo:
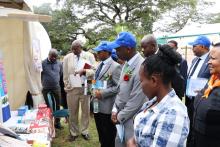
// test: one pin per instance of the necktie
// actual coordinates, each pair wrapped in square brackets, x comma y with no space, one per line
[78,57]
[98,70]
[194,67]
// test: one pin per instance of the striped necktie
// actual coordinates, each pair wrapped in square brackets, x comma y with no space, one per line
[98,70]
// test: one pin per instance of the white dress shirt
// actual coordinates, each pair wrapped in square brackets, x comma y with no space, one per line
[195,74]
[105,62]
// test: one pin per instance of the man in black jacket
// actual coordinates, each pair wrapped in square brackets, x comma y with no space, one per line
[150,47]
[183,67]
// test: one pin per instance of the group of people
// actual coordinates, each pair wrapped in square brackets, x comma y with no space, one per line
[141,104]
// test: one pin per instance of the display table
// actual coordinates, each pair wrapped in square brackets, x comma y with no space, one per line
[35,126]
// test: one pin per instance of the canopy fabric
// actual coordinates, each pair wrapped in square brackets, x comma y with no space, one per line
[23,15]
[21,44]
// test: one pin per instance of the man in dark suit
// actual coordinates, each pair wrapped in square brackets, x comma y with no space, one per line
[109,71]
[199,69]
[183,67]
[149,47]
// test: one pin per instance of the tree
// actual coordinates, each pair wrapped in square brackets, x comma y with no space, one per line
[138,16]
[100,20]
[175,19]
[64,27]
[43,9]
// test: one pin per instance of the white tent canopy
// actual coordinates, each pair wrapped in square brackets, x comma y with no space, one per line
[189,34]
[23,42]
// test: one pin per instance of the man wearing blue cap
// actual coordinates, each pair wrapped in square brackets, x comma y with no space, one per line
[116,59]
[108,71]
[199,69]
[130,96]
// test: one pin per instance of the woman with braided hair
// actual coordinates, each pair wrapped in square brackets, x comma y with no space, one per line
[163,120]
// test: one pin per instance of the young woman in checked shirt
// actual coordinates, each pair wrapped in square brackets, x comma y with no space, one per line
[163,120]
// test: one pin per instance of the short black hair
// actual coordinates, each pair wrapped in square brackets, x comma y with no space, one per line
[174,42]
[164,63]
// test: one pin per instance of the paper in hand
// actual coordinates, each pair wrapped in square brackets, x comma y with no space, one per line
[121,132]
[75,80]
[194,85]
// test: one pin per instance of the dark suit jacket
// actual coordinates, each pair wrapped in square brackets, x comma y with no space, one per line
[112,69]
[207,114]
[183,68]
[204,71]
[179,81]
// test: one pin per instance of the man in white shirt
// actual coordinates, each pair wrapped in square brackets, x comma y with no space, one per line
[74,64]
[199,69]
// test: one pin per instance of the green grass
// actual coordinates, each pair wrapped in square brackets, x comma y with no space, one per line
[62,135]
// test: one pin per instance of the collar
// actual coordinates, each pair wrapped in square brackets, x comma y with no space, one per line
[107,60]
[49,62]
[156,51]
[157,108]
[131,61]
[203,57]
[81,54]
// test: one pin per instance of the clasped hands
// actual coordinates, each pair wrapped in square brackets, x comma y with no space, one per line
[114,118]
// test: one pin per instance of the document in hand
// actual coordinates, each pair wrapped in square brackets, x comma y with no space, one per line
[75,80]
[121,131]
[195,85]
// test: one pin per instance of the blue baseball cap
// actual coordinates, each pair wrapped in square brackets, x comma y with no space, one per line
[114,55]
[103,46]
[124,39]
[201,40]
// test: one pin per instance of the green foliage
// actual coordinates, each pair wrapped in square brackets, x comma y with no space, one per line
[43,9]
[215,18]
[61,29]
[100,20]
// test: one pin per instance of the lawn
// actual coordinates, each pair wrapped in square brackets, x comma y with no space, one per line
[61,136]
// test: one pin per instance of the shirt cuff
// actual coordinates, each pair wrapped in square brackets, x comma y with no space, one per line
[114,109]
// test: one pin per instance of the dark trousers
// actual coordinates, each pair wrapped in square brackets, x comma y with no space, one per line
[106,129]
[57,94]
[63,99]
[190,109]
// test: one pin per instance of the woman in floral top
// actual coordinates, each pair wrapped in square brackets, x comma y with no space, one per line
[163,120]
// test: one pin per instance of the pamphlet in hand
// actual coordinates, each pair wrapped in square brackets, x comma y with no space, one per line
[99,84]
[121,131]
[195,85]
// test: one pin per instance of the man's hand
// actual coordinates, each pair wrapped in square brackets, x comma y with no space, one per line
[81,72]
[114,118]
[97,94]
[131,142]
